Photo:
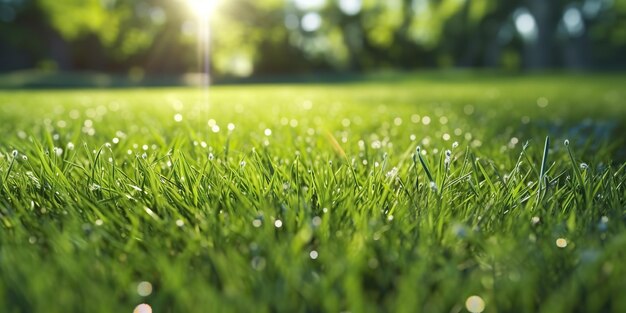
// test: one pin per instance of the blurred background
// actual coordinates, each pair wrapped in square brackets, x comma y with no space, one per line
[141,38]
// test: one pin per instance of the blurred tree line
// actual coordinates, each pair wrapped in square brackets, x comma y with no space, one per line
[291,36]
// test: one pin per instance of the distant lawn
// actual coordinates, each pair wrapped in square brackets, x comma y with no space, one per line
[311,197]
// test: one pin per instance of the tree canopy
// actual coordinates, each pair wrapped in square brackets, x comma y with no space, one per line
[286,36]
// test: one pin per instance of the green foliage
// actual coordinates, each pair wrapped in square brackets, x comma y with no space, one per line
[297,198]
[73,18]
[252,36]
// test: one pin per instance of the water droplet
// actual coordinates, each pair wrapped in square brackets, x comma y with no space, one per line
[535,220]
[178,117]
[143,308]
[392,173]
[475,304]
[313,254]
[278,223]
[144,288]
[561,243]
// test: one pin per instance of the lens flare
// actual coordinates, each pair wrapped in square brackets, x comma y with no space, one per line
[202,8]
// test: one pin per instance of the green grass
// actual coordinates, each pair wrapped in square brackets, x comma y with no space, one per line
[365,224]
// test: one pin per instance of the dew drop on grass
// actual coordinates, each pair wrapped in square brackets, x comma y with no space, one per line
[535,220]
[180,223]
[267,132]
[392,173]
[278,223]
[313,255]
[178,117]
[99,222]
[561,243]
[475,304]
[143,308]
[144,288]
[257,223]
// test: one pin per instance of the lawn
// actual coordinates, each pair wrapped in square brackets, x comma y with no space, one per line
[311,197]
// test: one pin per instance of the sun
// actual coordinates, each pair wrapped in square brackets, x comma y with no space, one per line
[202,9]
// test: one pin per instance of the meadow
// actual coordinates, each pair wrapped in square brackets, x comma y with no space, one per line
[391,193]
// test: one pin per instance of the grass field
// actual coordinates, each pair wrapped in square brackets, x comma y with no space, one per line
[311,197]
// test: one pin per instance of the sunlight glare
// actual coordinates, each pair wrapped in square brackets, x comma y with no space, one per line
[202,8]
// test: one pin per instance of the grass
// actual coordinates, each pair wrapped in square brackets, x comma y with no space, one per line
[306,198]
